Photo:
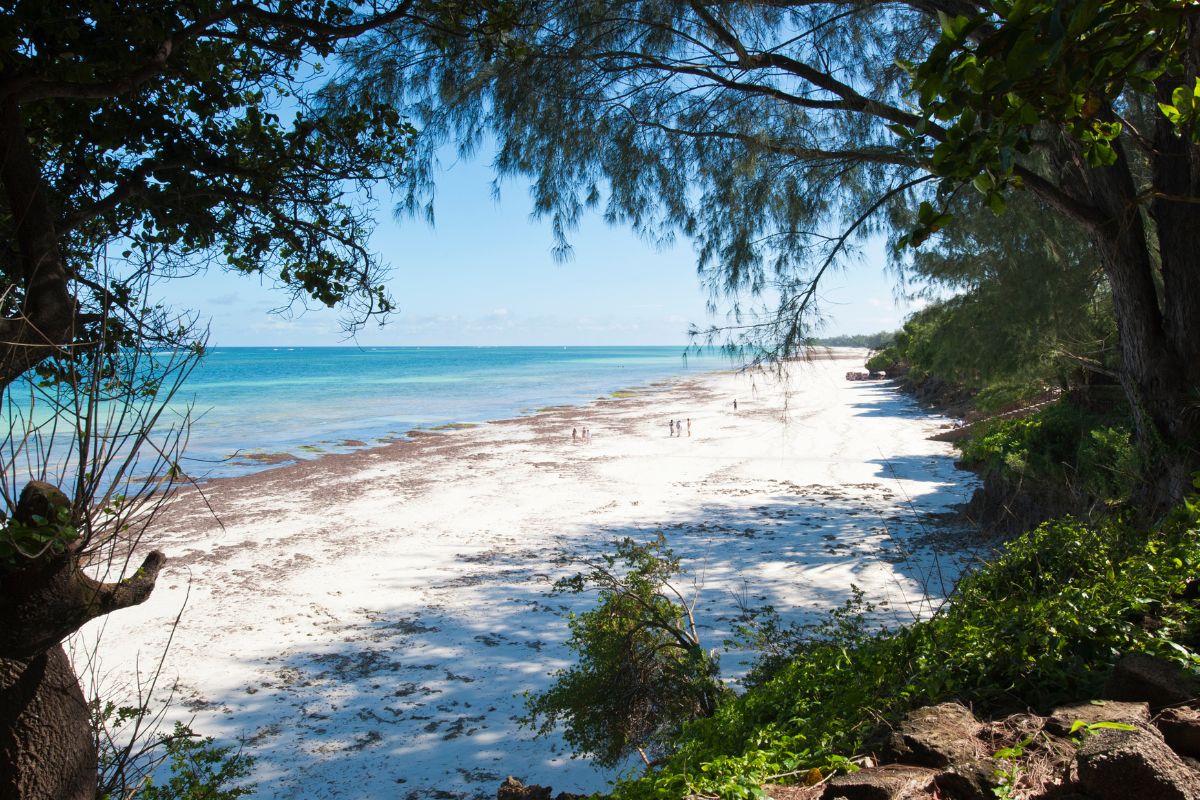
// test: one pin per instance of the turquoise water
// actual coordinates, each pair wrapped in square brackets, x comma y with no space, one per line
[255,402]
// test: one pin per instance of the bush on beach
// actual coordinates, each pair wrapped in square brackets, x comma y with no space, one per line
[642,672]
[1040,624]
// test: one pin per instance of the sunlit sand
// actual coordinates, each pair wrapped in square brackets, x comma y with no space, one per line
[367,622]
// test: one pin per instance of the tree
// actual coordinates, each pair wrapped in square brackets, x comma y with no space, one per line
[643,672]
[142,139]
[1028,305]
[1094,108]
[774,133]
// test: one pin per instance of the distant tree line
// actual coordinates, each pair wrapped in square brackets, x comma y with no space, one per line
[872,341]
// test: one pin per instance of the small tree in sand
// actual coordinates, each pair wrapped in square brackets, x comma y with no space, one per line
[99,429]
[642,672]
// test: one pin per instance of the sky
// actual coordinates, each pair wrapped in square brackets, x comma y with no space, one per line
[485,274]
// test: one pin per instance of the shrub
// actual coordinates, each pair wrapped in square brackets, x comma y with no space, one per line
[883,361]
[131,753]
[641,673]
[200,770]
[1062,445]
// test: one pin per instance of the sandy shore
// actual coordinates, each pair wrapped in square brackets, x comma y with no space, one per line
[366,622]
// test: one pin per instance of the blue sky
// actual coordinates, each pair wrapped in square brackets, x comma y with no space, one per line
[485,275]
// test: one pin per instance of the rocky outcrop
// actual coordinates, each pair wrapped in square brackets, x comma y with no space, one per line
[1139,741]
[937,736]
[1181,729]
[1118,765]
[881,783]
[1160,683]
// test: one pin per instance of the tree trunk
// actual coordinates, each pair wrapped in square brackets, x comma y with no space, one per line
[1175,175]
[46,745]
[1158,348]
[46,742]
[47,314]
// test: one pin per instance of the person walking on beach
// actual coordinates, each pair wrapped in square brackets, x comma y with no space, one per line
[735,404]
[689,426]
[574,435]
[671,423]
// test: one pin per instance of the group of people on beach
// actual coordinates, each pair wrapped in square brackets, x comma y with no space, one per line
[676,426]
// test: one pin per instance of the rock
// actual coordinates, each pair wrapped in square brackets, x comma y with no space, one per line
[1139,677]
[936,736]
[1181,728]
[889,782]
[793,792]
[513,789]
[968,780]
[1062,718]
[1119,765]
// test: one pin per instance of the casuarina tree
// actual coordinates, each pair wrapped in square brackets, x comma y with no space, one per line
[775,134]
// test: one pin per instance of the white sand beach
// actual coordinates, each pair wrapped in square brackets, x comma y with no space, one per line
[365,622]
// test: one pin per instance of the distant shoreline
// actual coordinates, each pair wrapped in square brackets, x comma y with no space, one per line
[253,458]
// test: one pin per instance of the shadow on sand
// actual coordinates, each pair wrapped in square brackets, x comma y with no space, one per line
[420,702]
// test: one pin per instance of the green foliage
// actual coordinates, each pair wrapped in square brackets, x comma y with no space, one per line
[999,76]
[871,340]
[1008,768]
[642,673]
[191,767]
[200,770]
[1061,444]
[1029,306]
[777,644]
[172,135]
[1040,624]
[635,108]
[886,360]
[21,543]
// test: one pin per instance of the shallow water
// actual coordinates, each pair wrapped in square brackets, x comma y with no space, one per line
[264,403]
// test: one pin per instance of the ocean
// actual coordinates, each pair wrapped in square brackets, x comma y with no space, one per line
[252,406]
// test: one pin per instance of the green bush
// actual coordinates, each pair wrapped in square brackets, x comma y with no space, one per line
[885,360]
[131,751]
[200,770]
[1062,445]
[642,672]
[1042,623]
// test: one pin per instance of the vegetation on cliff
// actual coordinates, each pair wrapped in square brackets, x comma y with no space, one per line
[1041,623]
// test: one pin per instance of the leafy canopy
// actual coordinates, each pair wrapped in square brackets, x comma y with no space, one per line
[1000,74]
[167,136]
